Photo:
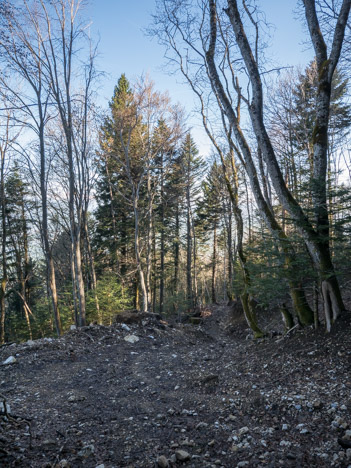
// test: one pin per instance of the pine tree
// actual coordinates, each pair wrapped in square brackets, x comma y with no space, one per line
[210,212]
[193,168]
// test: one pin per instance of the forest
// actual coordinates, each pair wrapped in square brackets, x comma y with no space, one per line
[105,210]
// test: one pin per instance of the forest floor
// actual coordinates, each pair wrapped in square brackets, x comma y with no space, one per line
[192,396]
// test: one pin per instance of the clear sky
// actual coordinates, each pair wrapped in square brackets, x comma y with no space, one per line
[125,49]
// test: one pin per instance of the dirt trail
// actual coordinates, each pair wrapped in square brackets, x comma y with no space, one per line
[203,393]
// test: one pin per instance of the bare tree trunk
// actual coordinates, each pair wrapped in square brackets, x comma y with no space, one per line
[189,253]
[4,279]
[92,269]
[154,269]
[176,252]
[45,234]
[162,238]
[214,265]
[195,279]
[149,242]
[145,297]
[230,292]
[74,287]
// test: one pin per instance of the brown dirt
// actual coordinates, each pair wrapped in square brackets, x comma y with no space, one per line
[95,399]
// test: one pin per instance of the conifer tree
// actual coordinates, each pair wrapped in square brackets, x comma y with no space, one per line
[193,169]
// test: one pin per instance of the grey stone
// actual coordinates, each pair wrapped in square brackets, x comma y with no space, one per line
[182,455]
[131,339]
[86,451]
[162,462]
[243,430]
[64,463]
[10,360]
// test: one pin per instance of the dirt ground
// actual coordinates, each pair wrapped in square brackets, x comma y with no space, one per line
[194,396]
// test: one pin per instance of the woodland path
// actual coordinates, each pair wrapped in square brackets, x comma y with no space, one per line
[96,400]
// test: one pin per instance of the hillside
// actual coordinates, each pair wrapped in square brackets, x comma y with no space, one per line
[194,396]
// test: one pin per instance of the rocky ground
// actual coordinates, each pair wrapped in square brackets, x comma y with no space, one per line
[192,396]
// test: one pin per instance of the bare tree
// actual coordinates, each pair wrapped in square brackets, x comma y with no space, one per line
[22,52]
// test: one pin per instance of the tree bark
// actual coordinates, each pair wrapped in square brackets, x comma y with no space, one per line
[162,237]
[4,279]
[214,265]
[189,249]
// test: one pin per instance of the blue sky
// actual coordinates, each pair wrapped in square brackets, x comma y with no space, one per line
[125,49]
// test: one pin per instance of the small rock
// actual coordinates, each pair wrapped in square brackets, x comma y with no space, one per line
[201,425]
[285,427]
[125,327]
[211,443]
[162,462]
[31,343]
[182,455]
[242,464]
[9,360]
[73,327]
[339,422]
[100,466]
[131,339]
[86,451]
[64,464]
[243,430]
[285,443]
[75,398]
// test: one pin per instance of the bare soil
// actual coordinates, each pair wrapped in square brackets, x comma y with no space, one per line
[91,398]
